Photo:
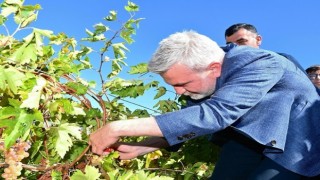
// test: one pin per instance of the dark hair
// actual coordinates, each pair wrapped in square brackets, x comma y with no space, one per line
[234,28]
[312,69]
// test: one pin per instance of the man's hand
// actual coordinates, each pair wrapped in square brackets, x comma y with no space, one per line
[109,135]
[102,139]
[133,150]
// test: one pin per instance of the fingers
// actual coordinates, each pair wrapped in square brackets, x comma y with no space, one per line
[101,141]
[95,150]
[126,151]
[95,146]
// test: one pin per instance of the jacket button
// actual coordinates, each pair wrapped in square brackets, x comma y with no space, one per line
[180,138]
[273,142]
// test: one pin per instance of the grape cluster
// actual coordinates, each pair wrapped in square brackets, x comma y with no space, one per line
[96,160]
[13,157]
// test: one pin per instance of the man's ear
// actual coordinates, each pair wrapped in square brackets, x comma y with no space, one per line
[259,40]
[215,69]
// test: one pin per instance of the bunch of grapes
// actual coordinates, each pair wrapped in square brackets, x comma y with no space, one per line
[13,157]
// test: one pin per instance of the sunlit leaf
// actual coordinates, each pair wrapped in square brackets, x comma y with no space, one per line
[100,28]
[12,77]
[7,10]
[131,7]
[56,175]
[79,88]
[61,105]
[25,17]
[152,156]
[112,16]
[28,20]
[161,91]
[78,111]
[139,68]
[61,137]
[167,106]
[2,19]
[14,2]
[34,96]
[109,163]
[22,125]
[90,173]
[119,50]
[47,33]
[116,67]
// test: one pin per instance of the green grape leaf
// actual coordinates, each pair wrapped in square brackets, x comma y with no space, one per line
[152,84]
[100,28]
[126,88]
[90,173]
[78,87]
[119,50]
[140,113]
[56,175]
[113,175]
[8,118]
[116,67]
[127,33]
[131,91]
[11,77]
[77,111]
[2,78]
[132,7]
[7,10]
[36,145]
[109,161]
[89,32]
[22,125]
[161,91]
[139,69]
[26,21]
[167,106]
[2,20]
[127,174]
[152,156]
[25,16]
[14,2]
[38,33]
[29,54]
[47,33]
[34,96]
[62,141]
[112,16]
[62,105]
[26,53]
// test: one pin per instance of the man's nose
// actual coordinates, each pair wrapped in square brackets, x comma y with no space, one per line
[179,90]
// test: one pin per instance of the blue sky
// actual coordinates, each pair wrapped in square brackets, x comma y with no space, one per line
[290,26]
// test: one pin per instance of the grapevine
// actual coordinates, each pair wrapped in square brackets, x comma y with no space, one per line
[52,109]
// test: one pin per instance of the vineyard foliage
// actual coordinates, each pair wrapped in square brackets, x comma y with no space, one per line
[48,108]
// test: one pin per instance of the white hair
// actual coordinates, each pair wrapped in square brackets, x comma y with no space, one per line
[189,48]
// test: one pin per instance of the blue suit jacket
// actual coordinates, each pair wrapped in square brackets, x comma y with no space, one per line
[263,96]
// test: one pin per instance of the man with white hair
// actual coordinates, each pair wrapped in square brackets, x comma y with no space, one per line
[254,93]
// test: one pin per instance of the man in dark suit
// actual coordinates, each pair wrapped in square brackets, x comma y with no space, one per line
[256,93]
[314,74]
[247,34]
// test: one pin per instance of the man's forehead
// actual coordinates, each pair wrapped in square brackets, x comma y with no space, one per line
[241,34]
[177,73]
